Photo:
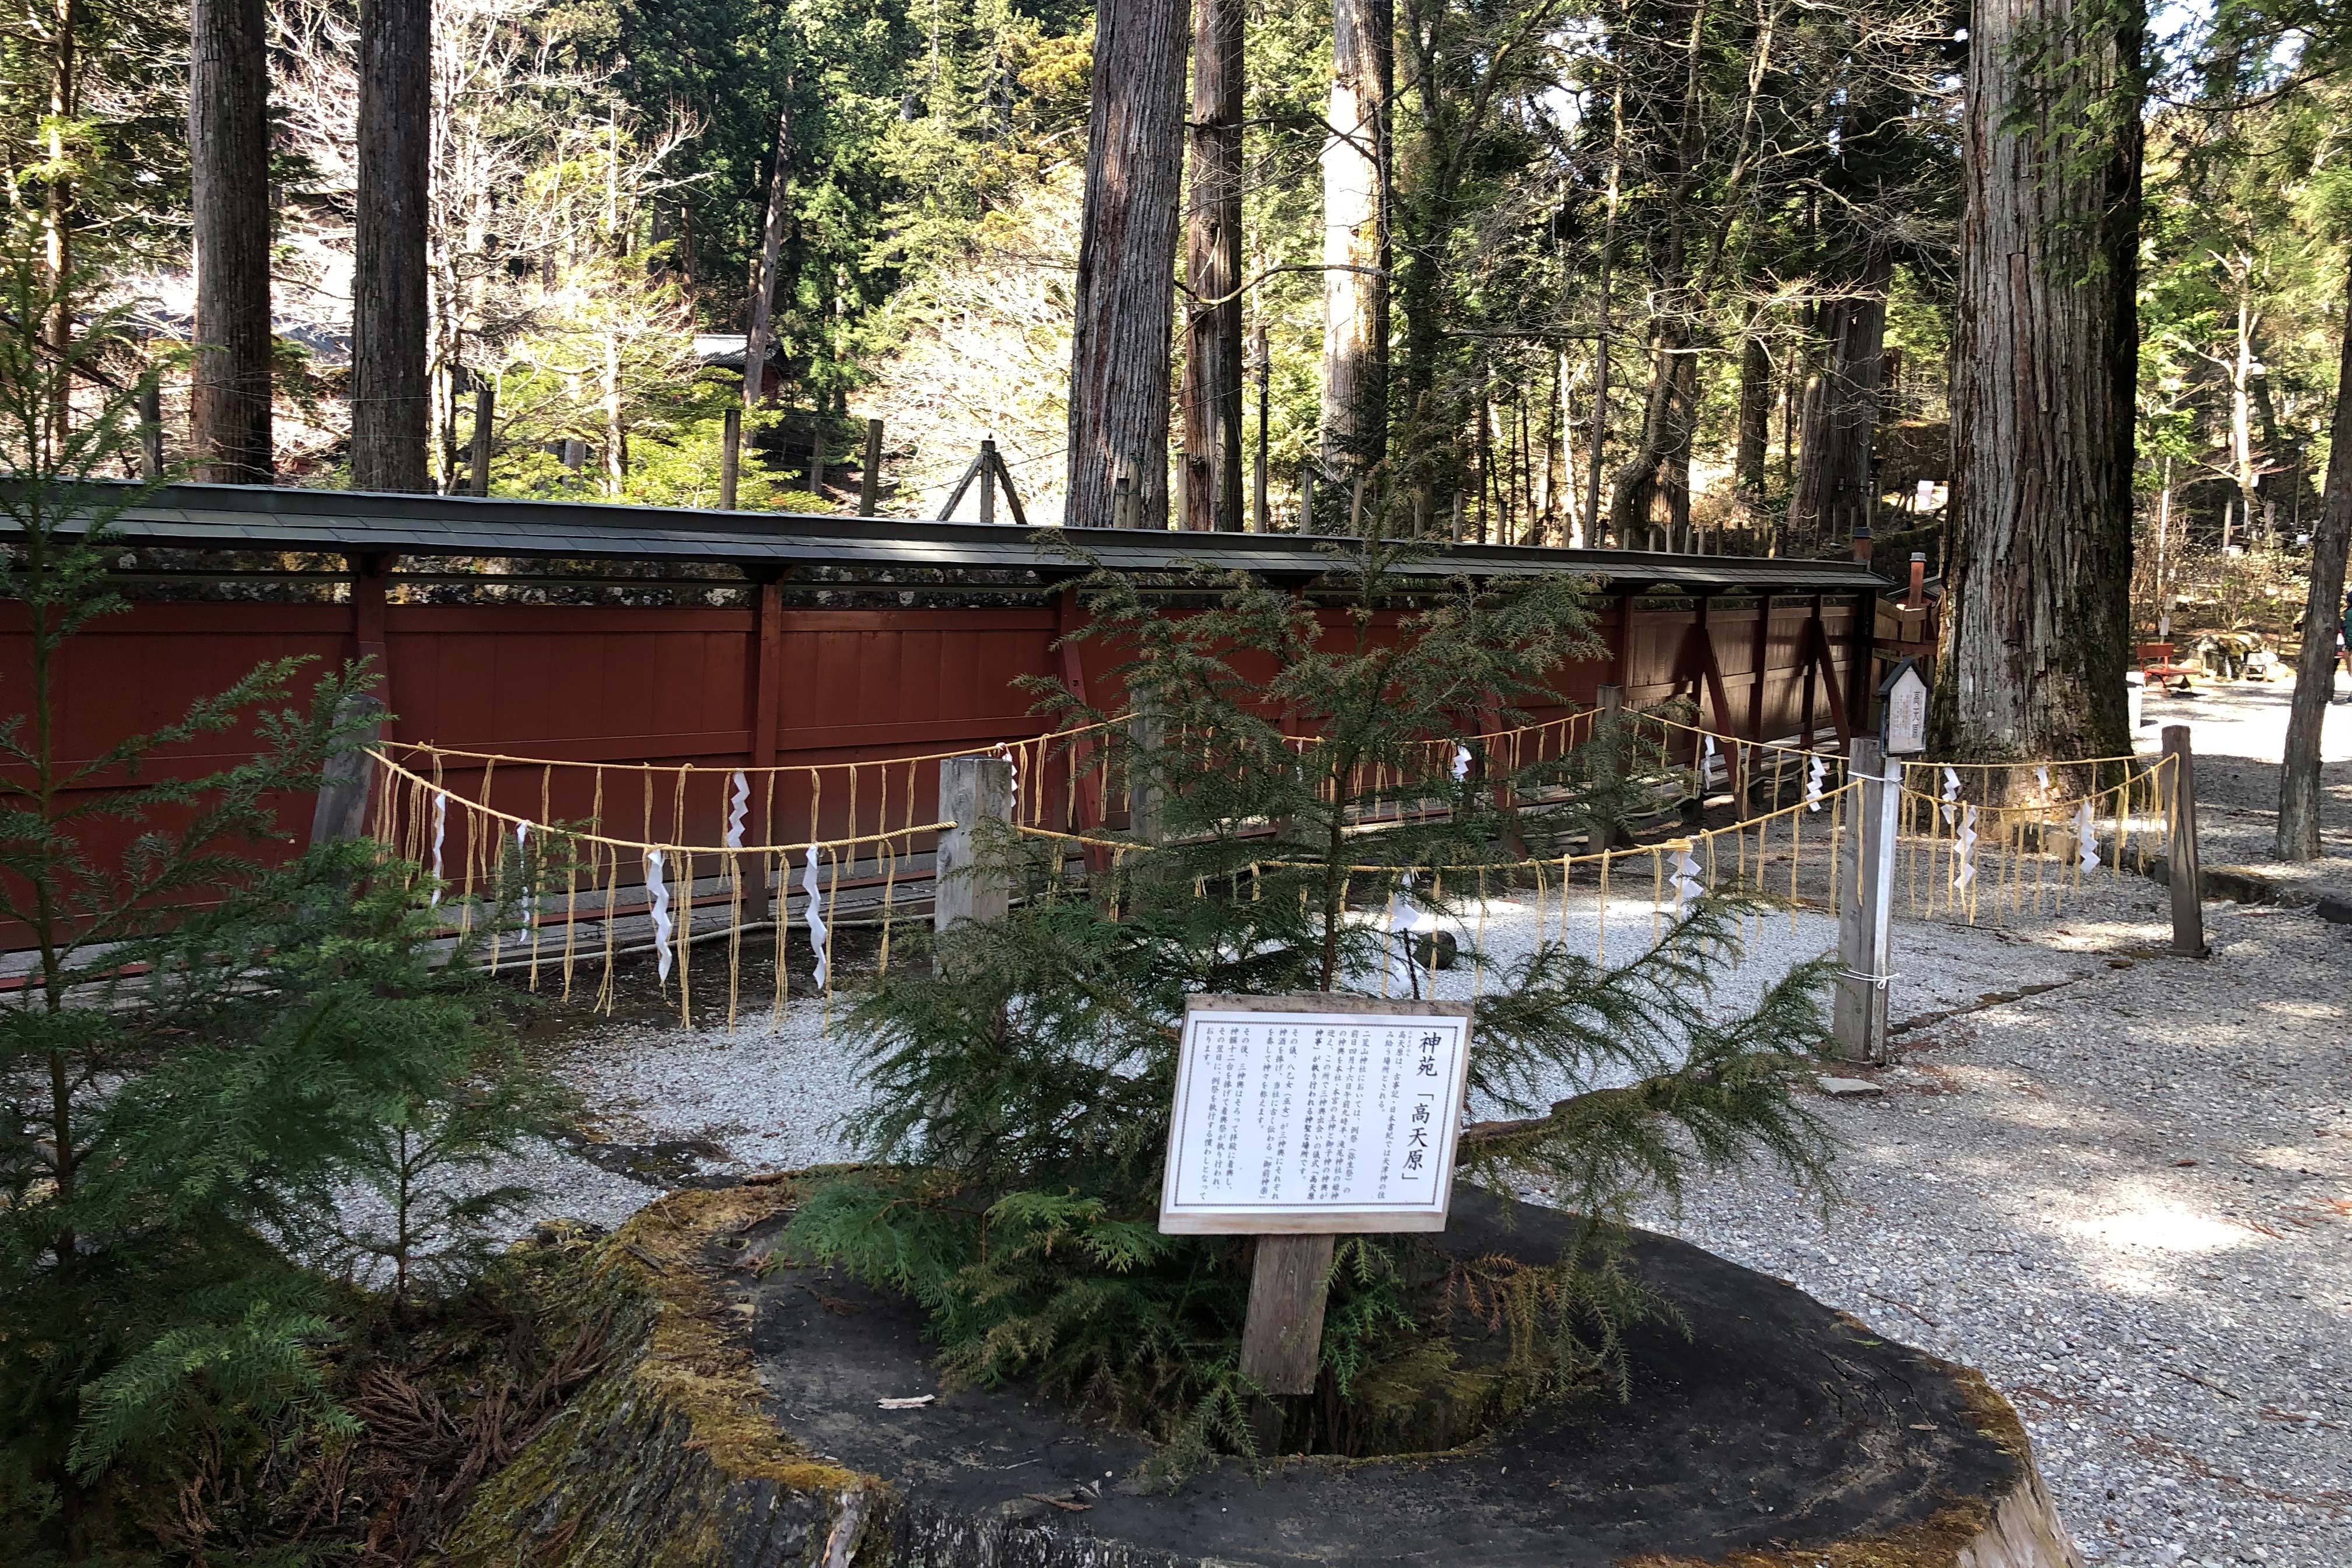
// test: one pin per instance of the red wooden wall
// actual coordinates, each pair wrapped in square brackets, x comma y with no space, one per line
[722,689]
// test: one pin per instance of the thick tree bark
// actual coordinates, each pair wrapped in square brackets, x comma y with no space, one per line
[1831,494]
[2037,626]
[1355,284]
[390,392]
[2315,671]
[1126,285]
[228,145]
[1212,269]
[759,332]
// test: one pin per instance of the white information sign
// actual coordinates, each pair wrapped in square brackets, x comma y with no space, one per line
[1314,1114]
[1906,711]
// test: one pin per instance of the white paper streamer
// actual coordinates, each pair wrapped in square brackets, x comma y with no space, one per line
[1407,921]
[1461,761]
[737,809]
[2086,839]
[815,916]
[1816,773]
[1964,850]
[2042,777]
[440,827]
[1012,760]
[1685,881]
[659,890]
[1706,763]
[1951,794]
[522,869]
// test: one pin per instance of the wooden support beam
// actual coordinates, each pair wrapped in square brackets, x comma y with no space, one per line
[349,777]
[1862,674]
[1805,666]
[767,671]
[1086,810]
[1825,660]
[1621,644]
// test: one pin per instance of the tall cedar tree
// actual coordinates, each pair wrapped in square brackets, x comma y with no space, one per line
[187,1108]
[389,389]
[1126,286]
[1213,262]
[1020,1093]
[2037,617]
[228,143]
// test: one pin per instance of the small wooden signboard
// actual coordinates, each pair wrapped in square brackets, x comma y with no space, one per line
[1302,1118]
[1904,694]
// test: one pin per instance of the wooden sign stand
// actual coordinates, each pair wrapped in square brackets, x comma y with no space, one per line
[1298,1120]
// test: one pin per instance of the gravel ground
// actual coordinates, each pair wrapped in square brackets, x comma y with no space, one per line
[2125,1197]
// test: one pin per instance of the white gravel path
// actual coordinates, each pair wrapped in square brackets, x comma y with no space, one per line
[2173,1334]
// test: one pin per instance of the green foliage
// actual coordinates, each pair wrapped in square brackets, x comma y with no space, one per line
[1021,1089]
[216,1038]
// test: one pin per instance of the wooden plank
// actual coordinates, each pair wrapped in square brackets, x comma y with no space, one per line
[1282,1336]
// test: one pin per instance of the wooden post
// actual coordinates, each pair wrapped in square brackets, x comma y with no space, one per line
[971,790]
[348,780]
[1611,723]
[486,402]
[870,476]
[816,451]
[1282,1337]
[150,431]
[730,456]
[349,777]
[2180,853]
[1146,808]
[1859,1016]
[987,471]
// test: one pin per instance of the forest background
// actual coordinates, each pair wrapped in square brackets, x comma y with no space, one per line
[1655,275]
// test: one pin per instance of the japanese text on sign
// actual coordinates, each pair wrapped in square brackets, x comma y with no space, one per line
[1325,1120]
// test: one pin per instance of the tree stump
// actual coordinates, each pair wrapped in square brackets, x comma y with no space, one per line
[742,1424]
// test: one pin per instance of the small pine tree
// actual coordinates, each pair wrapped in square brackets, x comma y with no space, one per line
[211,1038]
[1021,1091]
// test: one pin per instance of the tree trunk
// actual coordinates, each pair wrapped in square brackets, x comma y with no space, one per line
[1126,284]
[1355,287]
[2315,671]
[1755,422]
[2037,626]
[772,249]
[228,145]
[1212,352]
[1832,487]
[390,395]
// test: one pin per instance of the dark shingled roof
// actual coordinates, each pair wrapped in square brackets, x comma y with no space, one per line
[261,517]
